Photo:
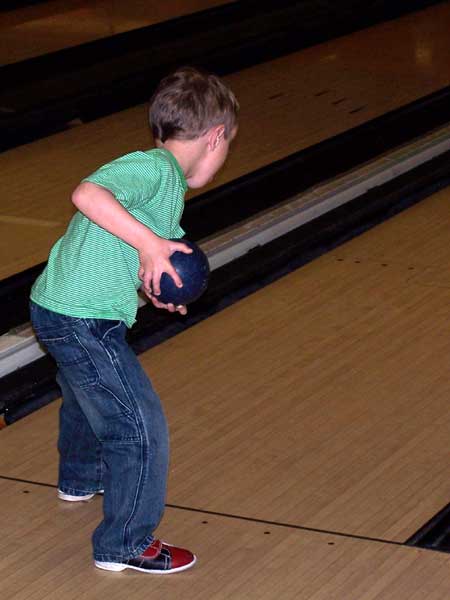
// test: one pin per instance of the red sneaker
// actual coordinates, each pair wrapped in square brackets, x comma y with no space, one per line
[159,558]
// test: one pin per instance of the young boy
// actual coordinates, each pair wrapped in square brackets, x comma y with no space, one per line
[113,433]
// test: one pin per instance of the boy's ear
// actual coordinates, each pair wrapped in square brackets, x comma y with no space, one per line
[216,135]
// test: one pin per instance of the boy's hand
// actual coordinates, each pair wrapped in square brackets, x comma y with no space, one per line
[154,260]
[181,308]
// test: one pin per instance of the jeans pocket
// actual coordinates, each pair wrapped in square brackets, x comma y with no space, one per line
[104,328]
[73,358]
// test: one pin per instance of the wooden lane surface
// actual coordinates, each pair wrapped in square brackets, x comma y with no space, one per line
[287,104]
[236,559]
[39,29]
[319,401]
[328,390]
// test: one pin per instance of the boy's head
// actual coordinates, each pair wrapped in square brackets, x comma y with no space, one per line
[189,103]
[194,115]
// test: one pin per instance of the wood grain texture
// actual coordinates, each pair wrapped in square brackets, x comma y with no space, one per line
[286,105]
[51,26]
[45,554]
[319,401]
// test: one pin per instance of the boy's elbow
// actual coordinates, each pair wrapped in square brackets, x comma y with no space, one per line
[81,195]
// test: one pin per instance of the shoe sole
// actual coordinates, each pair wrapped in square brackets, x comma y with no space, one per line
[69,498]
[110,566]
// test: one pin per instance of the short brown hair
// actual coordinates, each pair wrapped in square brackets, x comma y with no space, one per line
[187,103]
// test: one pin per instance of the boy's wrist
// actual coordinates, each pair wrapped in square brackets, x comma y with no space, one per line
[146,240]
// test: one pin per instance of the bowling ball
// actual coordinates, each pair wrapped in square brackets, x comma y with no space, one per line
[193,270]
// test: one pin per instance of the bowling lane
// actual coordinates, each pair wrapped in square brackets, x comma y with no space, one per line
[266,562]
[32,233]
[287,105]
[322,399]
[51,26]
[318,401]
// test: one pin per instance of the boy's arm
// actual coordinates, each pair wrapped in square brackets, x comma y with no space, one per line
[101,207]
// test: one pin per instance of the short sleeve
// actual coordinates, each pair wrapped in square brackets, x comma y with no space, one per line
[132,179]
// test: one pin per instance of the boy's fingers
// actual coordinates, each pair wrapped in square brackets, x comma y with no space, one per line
[180,247]
[175,276]
[181,308]
[156,302]
[147,281]
[170,307]
[155,283]
[146,277]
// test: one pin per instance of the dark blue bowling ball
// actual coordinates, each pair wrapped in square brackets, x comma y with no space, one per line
[194,272]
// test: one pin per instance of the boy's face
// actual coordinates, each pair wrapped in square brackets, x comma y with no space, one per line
[211,161]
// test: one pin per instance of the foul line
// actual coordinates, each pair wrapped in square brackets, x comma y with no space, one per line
[243,518]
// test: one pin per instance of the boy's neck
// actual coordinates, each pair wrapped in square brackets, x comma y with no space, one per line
[188,153]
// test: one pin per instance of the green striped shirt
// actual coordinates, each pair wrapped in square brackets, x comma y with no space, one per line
[93,274]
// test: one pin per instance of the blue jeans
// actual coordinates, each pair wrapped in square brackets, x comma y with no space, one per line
[113,432]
